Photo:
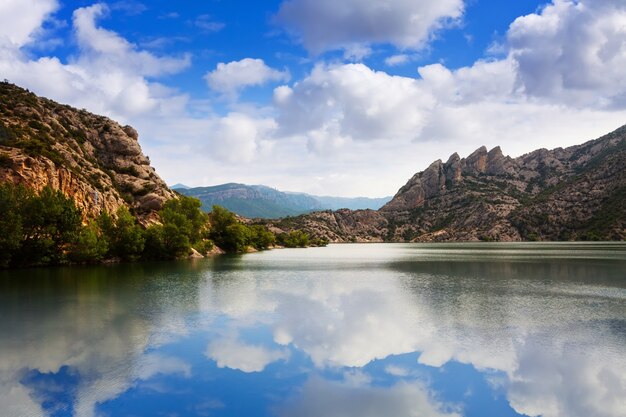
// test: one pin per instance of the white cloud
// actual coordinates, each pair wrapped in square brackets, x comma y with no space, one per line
[231,78]
[229,352]
[108,50]
[567,381]
[207,24]
[108,76]
[326,24]
[238,137]
[573,52]
[396,60]
[352,102]
[21,19]
[153,364]
[320,397]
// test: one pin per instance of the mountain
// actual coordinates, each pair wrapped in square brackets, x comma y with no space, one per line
[352,203]
[179,185]
[576,193]
[254,201]
[259,201]
[90,158]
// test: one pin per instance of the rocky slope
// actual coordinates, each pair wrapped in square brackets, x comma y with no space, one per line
[577,193]
[90,158]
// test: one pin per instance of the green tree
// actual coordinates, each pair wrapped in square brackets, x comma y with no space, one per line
[236,238]
[90,246]
[221,219]
[154,247]
[294,239]
[261,238]
[50,224]
[11,199]
[195,220]
[124,236]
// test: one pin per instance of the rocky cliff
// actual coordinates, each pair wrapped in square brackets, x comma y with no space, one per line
[577,193]
[90,158]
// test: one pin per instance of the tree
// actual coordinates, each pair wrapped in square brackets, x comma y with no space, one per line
[236,238]
[195,220]
[124,236]
[50,224]
[221,219]
[261,238]
[10,222]
[90,246]
[294,239]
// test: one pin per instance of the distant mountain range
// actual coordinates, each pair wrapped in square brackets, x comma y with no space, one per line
[259,201]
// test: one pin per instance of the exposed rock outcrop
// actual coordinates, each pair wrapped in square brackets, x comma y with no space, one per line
[90,158]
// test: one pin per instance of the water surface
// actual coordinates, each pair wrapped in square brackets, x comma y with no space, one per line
[347,330]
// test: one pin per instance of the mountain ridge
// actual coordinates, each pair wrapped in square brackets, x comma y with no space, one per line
[574,193]
[260,201]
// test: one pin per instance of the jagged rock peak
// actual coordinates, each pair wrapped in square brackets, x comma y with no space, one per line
[476,163]
[453,158]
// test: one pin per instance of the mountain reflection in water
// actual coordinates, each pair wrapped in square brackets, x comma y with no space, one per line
[347,330]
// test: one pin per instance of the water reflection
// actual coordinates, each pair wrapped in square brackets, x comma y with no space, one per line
[403,330]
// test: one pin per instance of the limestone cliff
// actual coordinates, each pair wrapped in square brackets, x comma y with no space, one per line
[90,158]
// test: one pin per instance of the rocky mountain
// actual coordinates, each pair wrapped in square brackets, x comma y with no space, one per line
[576,193]
[259,201]
[90,158]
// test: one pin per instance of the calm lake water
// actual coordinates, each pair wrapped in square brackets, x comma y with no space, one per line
[376,330]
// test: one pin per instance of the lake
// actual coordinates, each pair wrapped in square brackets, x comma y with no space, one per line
[367,330]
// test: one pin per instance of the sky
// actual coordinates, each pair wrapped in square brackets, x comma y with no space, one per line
[329,97]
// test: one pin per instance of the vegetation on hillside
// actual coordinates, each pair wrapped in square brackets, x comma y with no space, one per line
[46,229]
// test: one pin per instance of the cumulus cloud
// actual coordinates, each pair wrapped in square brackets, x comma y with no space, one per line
[352,102]
[21,19]
[231,353]
[572,52]
[110,75]
[238,137]
[565,381]
[395,60]
[153,364]
[320,397]
[234,76]
[104,47]
[326,25]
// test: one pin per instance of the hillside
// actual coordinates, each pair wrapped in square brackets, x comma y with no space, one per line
[259,201]
[90,158]
[576,193]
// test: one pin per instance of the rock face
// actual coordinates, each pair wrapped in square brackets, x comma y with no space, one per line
[90,158]
[577,193]
[561,194]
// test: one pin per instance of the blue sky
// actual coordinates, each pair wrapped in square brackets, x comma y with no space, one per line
[332,97]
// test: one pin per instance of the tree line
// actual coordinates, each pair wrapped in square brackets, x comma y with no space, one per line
[47,229]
